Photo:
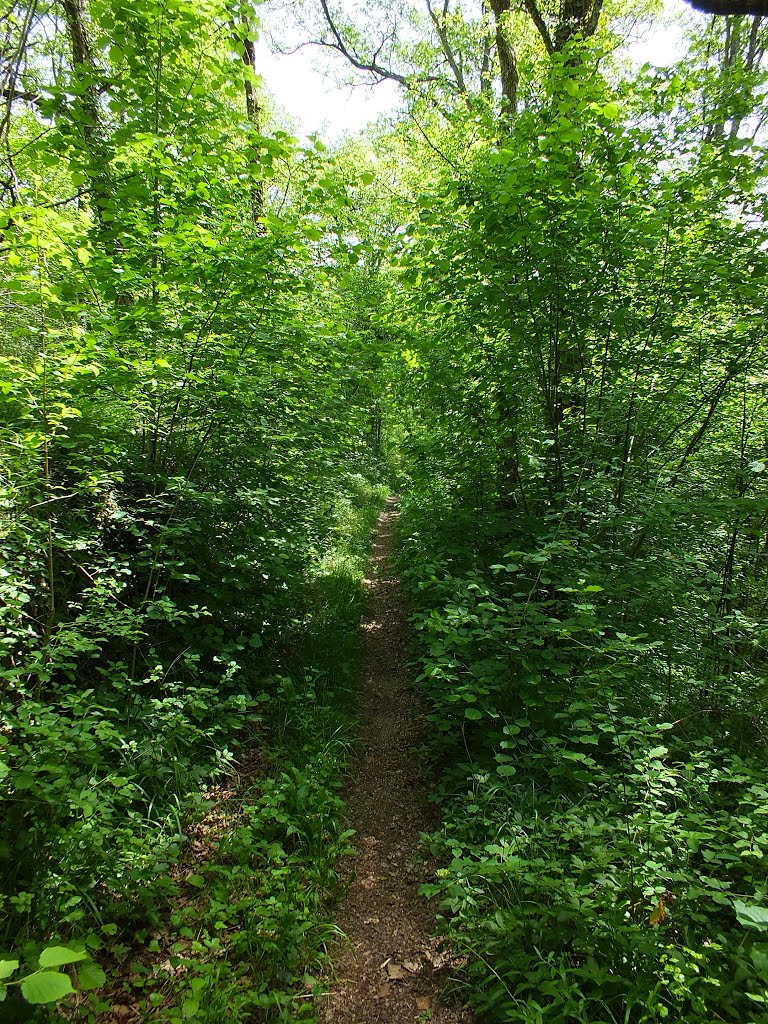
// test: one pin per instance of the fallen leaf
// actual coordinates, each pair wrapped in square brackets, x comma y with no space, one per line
[395,972]
[423,1002]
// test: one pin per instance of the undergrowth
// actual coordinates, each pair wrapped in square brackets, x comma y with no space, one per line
[605,813]
[222,909]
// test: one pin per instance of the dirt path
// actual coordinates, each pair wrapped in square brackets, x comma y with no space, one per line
[390,971]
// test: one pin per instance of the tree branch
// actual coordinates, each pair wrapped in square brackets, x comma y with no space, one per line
[538,21]
[731,8]
[485,69]
[362,65]
[20,94]
[439,22]
[577,17]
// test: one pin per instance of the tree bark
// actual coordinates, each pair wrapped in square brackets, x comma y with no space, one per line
[86,109]
[577,18]
[254,112]
[506,54]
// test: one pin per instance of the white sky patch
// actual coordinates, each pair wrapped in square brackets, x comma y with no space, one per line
[315,100]
[663,43]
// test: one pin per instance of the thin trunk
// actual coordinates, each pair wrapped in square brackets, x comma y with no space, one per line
[12,54]
[254,112]
[485,69]
[438,20]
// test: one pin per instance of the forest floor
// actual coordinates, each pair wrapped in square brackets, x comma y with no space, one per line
[391,970]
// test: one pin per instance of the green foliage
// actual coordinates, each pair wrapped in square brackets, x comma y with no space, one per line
[254,935]
[185,438]
[47,984]
[215,335]
[583,831]
[582,541]
[252,938]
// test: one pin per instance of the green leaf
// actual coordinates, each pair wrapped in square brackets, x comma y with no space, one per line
[759,956]
[611,110]
[190,1007]
[197,880]
[46,987]
[366,178]
[7,967]
[473,714]
[505,769]
[752,917]
[3,992]
[57,956]
[91,976]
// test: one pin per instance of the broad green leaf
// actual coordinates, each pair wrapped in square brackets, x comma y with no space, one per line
[473,714]
[91,976]
[759,954]
[57,956]
[7,967]
[751,916]
[46,987]
[190,1007]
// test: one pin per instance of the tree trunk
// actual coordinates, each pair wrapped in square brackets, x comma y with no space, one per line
[86,113]
[253,110]
[506,54]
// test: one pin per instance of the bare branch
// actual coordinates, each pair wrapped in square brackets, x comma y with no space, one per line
[432,145]
[20,94]
[438,20]
[373,67]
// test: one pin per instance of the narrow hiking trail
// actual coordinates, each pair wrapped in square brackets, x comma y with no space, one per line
[391,971]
